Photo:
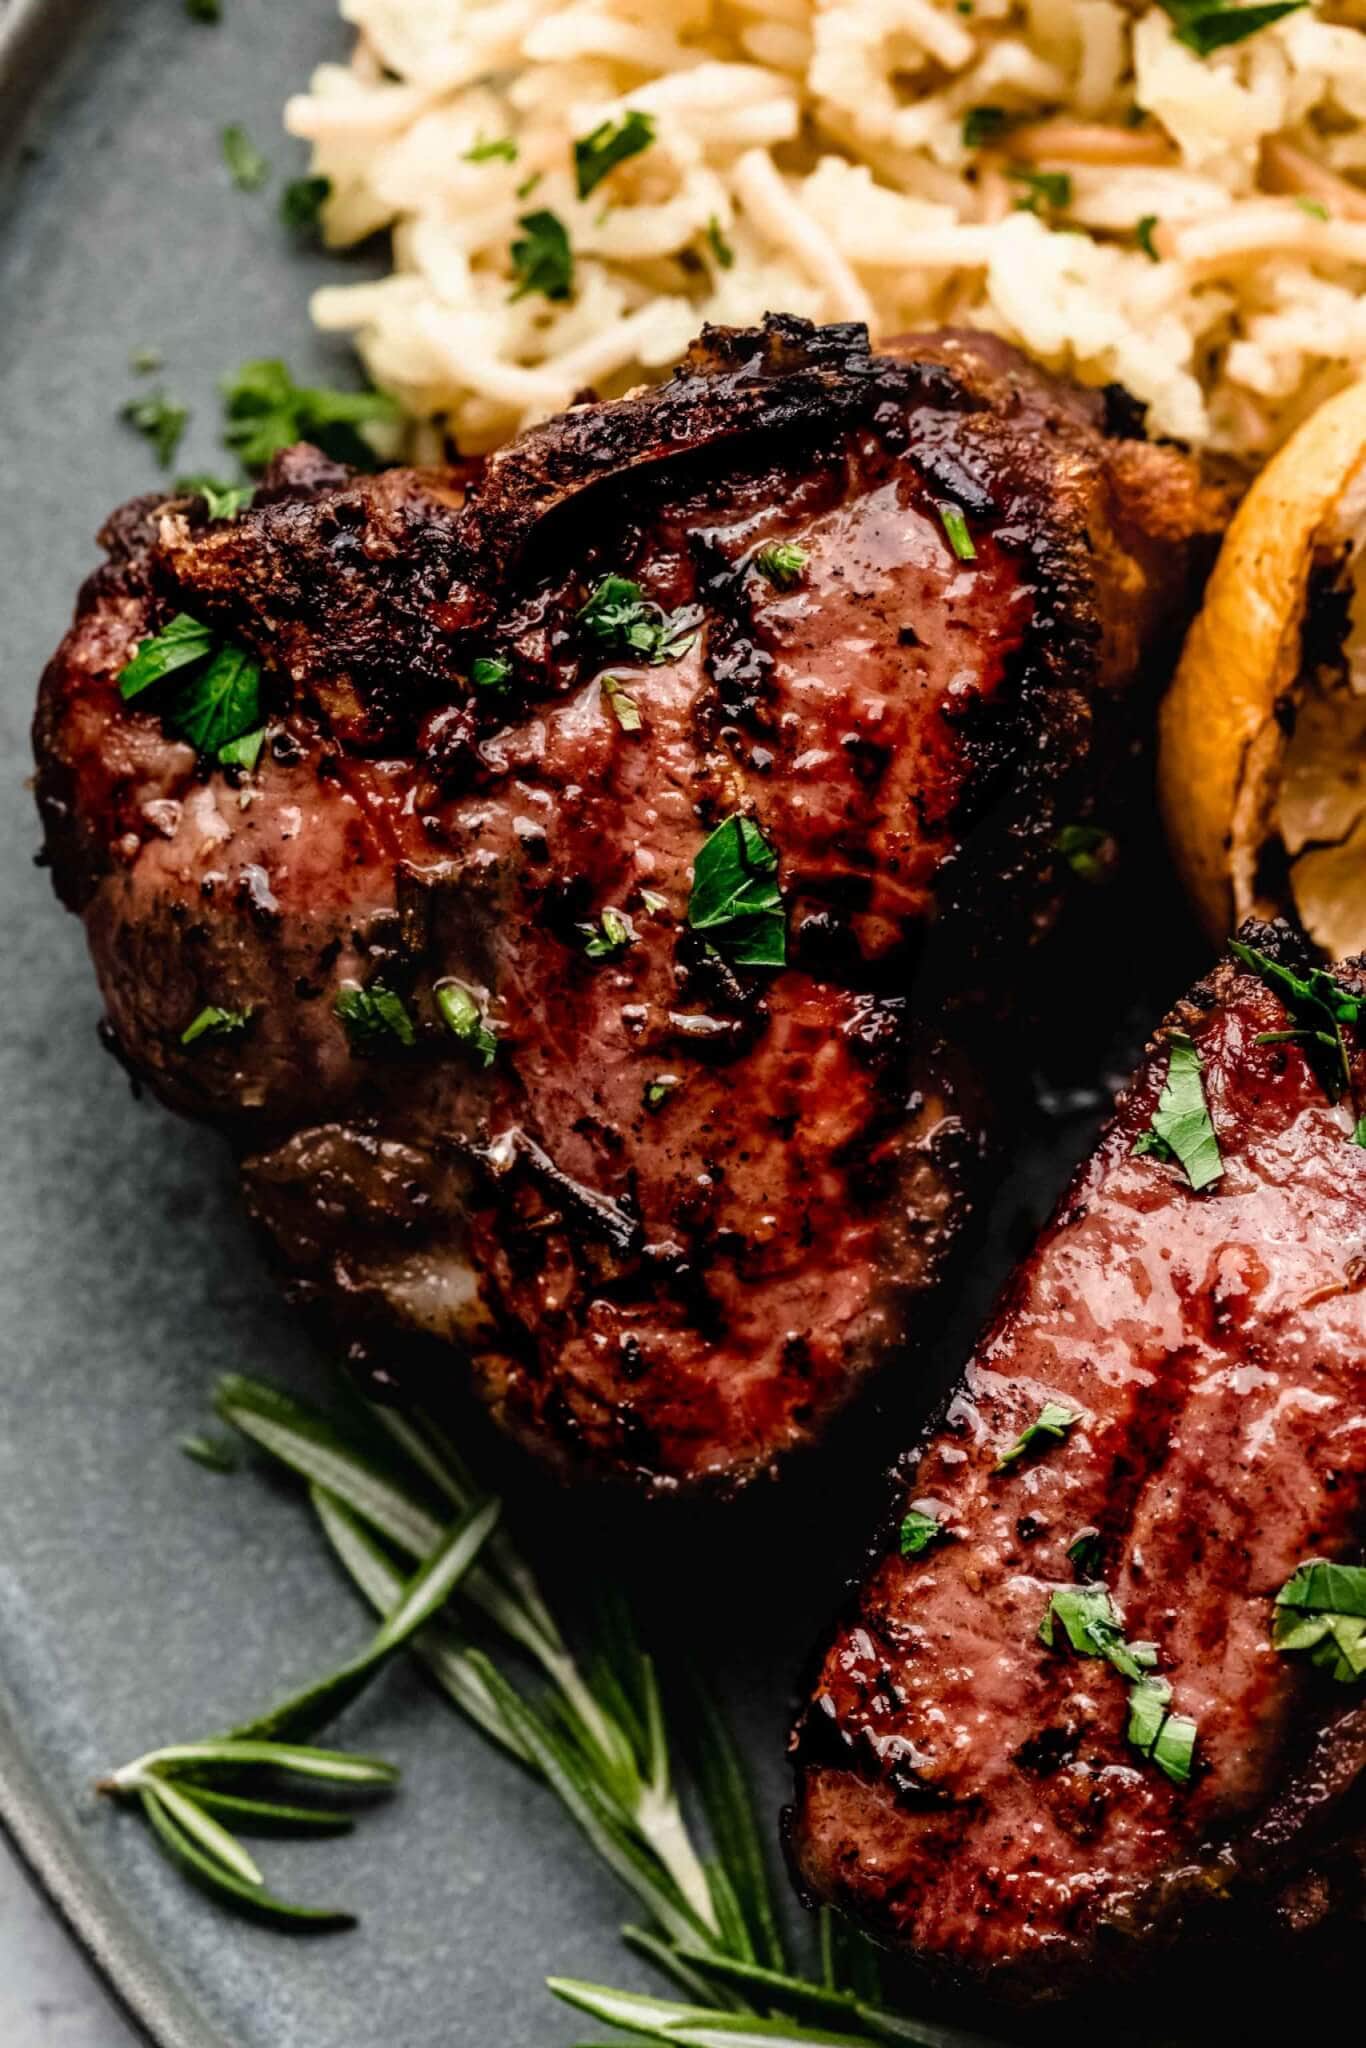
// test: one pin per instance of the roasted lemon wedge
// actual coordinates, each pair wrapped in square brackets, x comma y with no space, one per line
[1262,766]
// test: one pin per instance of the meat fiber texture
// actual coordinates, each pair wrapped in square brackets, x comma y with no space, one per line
[972,1794]
[692,1202]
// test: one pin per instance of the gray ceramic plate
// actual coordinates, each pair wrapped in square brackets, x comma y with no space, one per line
[141,1600]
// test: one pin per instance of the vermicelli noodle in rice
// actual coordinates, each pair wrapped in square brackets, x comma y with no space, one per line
[1068,173]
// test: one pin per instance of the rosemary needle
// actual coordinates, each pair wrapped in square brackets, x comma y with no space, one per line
[426,1551]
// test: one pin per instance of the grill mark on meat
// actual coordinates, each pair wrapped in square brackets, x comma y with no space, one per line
[907,730]
[1213,1357]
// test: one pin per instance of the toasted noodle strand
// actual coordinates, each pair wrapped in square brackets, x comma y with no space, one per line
[1067,173]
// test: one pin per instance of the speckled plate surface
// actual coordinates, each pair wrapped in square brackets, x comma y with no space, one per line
[141,1600]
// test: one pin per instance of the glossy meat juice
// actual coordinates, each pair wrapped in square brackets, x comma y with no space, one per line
[973,1794]
[692,1203]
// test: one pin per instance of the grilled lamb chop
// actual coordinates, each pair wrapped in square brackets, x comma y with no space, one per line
[695,1194]
[991,1803]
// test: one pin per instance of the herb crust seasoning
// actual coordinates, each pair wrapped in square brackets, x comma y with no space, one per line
[631,1064]
[1113,1715]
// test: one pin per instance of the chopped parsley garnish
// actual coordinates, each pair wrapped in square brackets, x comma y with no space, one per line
[215,1022]
[735,899]
[983,124]
[956,527]
[490,672]
[1049,1427]
[1167,1739]
[302,202]
[501,149]
[267,411]
[658,1091]
[159,420]
[1359,1134]
[620,615]
[608,939]
[611,143]
[1318,1002]
[541,258]
[222,703]
[1081,846]
[375,1018]
[247,168]
[464,1019]
[143,361]
[1207,25]
[1043,189]
[623,705]
[1321,1609]
[222,501]
[782,562]
[179,643]
[1143,235]
[218,709]
[918,1532]
[1315,208]
[719,246]
[1091,1623]
[528,185]
[1181,1130]
[1084,1551]
[1087,1618]
[244,753]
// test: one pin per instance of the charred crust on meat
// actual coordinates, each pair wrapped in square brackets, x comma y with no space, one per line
[831,1120]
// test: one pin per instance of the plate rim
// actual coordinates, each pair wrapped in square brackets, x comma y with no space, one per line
[33,36]
[112,1943]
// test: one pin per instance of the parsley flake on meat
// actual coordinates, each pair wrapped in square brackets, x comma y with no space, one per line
[619,614]
[218,707]
[1088,1620]
[956,528]
[376,1019]
[180,642]
[1181,1129]
[782,563]
[1166,1739]
[1049,1427]
[918,1532]
[609,938]
[735,899]
[221,704]
[464,1019]
[1318,1002]
[622,704]
[1321,1609]
[215,1022]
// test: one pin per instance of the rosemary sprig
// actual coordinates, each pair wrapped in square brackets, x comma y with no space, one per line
[178,1787]
[597,1735]
[789,2002]
[178,1790]
[613,1776]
